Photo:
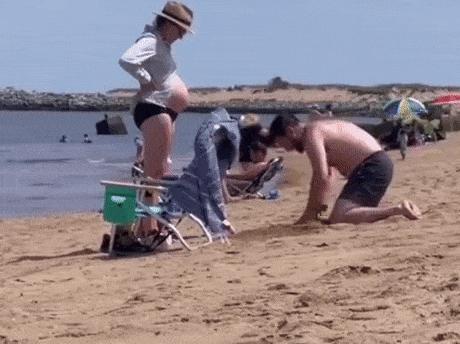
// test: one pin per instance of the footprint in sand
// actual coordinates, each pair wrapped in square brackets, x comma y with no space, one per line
[262,272]
[440,337]
[277,286]
[350,271]
[307,299]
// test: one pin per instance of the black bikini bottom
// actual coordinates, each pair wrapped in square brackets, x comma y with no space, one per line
[143,111]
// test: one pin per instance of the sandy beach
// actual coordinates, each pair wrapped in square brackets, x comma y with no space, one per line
[80,79]
[395,281]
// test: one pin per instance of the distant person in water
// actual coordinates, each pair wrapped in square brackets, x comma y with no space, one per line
[333,147]
[86,139]
[64,139]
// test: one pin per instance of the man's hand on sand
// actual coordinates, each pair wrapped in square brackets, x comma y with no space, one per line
[305,219]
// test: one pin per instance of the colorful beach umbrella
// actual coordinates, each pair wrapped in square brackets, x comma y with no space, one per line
[446,99]
[405,108]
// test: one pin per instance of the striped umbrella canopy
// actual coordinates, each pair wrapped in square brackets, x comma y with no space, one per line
[406,109]
[446,99]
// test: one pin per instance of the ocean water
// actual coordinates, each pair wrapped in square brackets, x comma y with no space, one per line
[40,176]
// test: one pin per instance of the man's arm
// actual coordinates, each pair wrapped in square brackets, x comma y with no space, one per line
[321,180]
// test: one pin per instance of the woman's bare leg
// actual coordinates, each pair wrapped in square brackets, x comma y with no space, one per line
[169,159]
[157,132]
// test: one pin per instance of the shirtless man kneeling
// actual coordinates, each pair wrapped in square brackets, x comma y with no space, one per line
[334,144]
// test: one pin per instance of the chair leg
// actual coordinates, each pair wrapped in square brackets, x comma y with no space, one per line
[172,229]
[113,232]
[202,227]
[156,214]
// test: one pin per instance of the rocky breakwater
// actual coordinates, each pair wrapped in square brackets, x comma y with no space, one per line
[12,99]
[275,106]
[278,96]
[286,98]
[343,100]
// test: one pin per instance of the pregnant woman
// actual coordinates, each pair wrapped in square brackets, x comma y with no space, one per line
[162,94]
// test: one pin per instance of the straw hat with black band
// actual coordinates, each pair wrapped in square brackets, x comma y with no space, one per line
[179,14]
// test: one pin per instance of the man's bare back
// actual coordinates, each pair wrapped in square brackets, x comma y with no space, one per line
[346,144]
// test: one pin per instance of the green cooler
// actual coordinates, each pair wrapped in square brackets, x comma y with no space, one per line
[119,205]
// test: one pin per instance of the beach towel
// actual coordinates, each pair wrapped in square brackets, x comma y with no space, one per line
[199,188]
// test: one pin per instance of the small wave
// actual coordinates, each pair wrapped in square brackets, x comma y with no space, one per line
[95,161]
[38,161]
[36,198]
[117,164]
[41,184]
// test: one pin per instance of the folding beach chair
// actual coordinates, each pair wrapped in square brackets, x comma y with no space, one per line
[253,188]
[124,206]
[196,194]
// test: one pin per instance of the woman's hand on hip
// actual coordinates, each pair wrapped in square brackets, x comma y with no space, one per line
[146,88]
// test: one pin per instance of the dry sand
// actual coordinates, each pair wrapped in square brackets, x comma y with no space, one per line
[396,281]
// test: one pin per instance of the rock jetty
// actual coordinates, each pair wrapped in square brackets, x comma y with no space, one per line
[278,96]
[12,99]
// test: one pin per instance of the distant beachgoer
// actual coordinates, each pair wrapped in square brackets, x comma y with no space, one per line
[403,139]
[86,139]
[64,139]
[328,109]
[317,113]
[162,95]
[334,146]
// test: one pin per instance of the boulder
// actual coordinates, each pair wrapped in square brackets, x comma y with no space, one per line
[111,126]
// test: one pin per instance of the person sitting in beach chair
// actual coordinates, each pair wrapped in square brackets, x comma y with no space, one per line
[257,163]
[251,132]
[244,189]
[249,182]
[196,193]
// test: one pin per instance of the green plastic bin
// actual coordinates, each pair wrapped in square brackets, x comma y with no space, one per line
[119,205]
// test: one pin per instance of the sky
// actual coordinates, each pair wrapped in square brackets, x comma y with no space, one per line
[74,46]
